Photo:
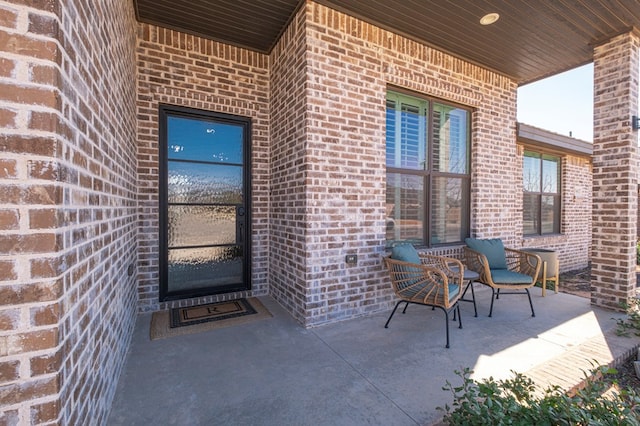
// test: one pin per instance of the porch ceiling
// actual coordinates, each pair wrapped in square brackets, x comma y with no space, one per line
[532,39]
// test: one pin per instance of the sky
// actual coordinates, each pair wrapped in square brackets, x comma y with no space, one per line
[562,103]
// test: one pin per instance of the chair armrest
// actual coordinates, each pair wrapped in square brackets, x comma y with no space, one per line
[478,262]
[453,268]
[523,262]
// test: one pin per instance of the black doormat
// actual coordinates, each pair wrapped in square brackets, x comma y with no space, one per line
[190,315]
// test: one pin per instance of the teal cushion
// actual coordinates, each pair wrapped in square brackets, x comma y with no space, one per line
[504,276]
[406,253]
[454,289]
[493,250]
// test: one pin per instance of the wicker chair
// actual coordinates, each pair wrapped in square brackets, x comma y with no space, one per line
[435,281]
[502,268]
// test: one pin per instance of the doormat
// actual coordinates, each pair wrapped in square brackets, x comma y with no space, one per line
[191,315]
[196,319]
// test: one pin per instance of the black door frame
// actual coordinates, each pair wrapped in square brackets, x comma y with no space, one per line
[166,110]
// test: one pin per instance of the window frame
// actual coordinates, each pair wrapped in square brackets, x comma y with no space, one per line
[538,223]
[429,174]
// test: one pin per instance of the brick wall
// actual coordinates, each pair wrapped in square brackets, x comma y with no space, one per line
[615,169]
[291,169]
[31,282]
[99,219]
[67,304]
[180,69]
[318,104]
[349,65]
[79,174]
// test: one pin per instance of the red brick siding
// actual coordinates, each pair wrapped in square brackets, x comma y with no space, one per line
[98,171]
[574,247]
[320,181]
[290,170]
[23,47]
[67,112]
[615,170]
[185,70]
[349,65]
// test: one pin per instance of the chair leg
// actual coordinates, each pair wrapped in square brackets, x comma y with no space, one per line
[533,314]
[405,308]
[493,293]
[456,315]
[498,294]
[446,316]
[473,297]
[394,311]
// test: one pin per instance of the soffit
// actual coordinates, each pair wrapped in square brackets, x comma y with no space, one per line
[532,39]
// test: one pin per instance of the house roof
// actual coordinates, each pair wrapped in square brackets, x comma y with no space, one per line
[553,142]
[532,39]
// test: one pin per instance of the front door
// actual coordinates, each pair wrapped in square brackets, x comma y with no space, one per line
[204,203]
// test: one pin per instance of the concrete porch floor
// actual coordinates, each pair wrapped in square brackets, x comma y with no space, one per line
[356,372]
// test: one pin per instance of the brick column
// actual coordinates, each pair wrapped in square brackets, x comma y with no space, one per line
[30,239]
[68,208]
[615,163]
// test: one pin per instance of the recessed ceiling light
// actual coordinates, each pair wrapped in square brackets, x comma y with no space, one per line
[489,18]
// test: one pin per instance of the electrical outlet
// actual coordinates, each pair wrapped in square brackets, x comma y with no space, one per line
[351,258]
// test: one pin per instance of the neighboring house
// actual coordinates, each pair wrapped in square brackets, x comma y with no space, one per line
[145,168]
[557,188]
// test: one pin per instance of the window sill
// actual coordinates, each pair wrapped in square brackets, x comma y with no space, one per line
[537,237]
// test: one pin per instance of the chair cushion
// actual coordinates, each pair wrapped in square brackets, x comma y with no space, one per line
[454,289]
[406,253]
[504,276]
[493,249]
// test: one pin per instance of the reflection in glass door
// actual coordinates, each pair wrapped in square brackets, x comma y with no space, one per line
[204,215]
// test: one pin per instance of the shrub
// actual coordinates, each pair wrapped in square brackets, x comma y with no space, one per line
[513,402]
[632,322]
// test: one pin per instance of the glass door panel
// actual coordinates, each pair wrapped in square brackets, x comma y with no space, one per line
[201,225]
[204,221]
[204,183]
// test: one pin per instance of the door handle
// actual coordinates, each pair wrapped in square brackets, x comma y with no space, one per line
[240,225]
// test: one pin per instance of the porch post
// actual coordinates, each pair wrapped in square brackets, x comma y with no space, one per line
[615,175]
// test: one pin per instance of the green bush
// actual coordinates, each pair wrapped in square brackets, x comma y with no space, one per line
[513,402]
[632,323]
[638,253]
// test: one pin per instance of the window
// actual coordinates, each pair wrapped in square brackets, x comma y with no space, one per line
[541,200]
[427,171]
